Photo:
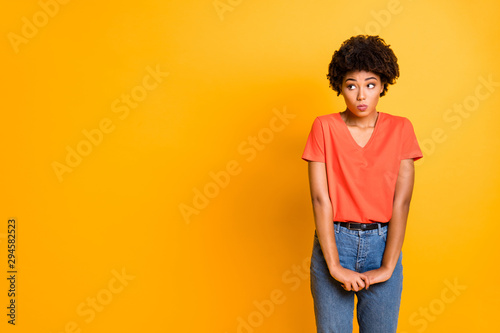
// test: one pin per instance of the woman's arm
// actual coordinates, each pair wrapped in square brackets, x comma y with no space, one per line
[397,225]
[322,208]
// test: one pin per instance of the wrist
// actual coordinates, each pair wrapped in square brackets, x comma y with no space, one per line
[387,268]
[335,267]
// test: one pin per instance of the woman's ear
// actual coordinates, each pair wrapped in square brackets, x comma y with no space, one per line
[383,87]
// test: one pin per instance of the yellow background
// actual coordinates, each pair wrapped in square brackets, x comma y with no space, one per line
[230,71]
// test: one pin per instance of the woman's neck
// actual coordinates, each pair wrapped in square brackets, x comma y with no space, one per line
[363,122]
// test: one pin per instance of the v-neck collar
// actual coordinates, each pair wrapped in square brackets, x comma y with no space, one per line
[346,129]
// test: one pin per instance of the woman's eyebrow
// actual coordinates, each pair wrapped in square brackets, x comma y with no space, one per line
[368,78]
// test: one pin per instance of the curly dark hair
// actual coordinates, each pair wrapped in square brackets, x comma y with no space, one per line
[363,52]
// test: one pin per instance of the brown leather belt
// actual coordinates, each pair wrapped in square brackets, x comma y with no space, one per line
[360,226]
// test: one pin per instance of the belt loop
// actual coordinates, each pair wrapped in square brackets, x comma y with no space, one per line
[336,227]
[379,229]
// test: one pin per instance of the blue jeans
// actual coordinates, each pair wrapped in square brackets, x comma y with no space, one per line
[378,307]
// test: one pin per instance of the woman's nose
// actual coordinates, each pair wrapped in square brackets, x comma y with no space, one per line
[361,95]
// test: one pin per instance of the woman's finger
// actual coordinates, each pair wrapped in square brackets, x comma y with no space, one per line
[366,280]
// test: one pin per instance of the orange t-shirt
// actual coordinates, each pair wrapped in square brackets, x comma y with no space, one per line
[362,180]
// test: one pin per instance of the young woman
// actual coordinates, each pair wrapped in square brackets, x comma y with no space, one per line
[361,176]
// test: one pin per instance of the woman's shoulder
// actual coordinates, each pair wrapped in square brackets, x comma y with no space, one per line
[394,120]
[328,118]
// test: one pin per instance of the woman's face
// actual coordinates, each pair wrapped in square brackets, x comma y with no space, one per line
[361,91]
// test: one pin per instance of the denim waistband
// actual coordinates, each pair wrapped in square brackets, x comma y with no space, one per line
[380,230]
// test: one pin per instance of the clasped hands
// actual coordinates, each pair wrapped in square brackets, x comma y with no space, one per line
[354,281]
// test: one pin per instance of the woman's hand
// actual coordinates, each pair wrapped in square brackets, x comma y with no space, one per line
[350,280]
[378,275]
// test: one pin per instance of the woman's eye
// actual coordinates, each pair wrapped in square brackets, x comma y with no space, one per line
[371,85]
[350,86]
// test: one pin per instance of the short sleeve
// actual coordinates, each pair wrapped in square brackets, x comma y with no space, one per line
[315,145]
[410,147]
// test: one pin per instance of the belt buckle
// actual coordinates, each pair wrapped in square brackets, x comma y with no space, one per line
[353,228]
